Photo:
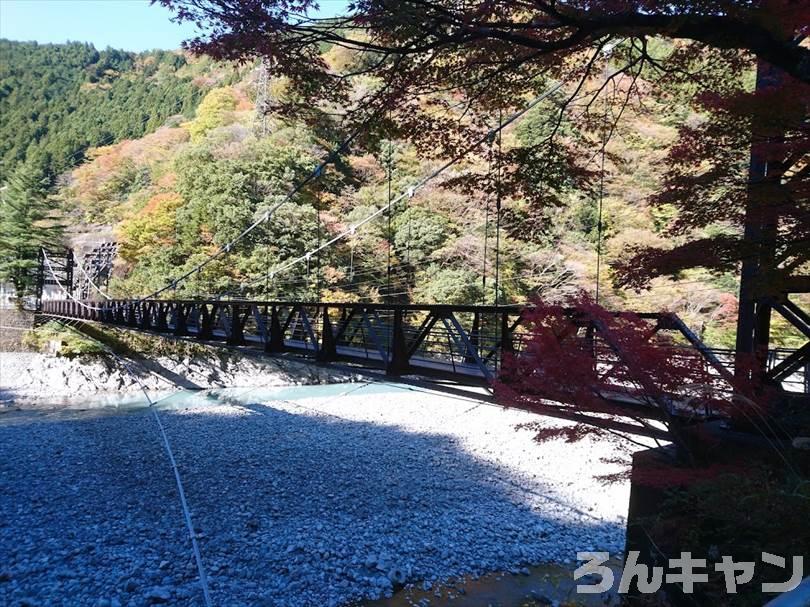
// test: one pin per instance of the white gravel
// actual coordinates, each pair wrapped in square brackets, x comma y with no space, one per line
[336,497]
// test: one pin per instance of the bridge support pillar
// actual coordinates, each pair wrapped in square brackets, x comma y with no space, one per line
[206,322]
[162,309]
[274,341]
[236,335]
[145,321]
[181,320]
[131,320]
[328,350]
[506,334]
[474,337]
[398,357]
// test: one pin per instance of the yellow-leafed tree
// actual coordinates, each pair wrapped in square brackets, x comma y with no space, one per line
[214,111]
[153,227]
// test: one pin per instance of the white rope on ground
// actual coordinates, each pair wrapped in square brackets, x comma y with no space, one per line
[167,445]
[178,481]
[189,525]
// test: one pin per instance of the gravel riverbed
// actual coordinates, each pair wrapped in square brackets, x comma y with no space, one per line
[312,496]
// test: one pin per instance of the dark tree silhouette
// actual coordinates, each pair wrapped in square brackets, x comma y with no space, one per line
[490,35]
[708,180]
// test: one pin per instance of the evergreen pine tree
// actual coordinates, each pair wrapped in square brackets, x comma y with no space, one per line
[27,224]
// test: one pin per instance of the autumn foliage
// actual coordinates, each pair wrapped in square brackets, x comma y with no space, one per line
[596,366]
[417,59]
[154,226]
[707,181]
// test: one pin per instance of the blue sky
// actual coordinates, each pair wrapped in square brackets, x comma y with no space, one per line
[132,25]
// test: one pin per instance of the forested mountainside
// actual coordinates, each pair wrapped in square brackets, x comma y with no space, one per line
[58,100]
[190,185]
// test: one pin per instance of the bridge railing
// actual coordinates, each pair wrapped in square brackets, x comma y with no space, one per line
[460,340]
[454,340]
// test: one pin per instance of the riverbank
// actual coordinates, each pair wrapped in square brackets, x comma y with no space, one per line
[317,495]
[31,379]
[159,365]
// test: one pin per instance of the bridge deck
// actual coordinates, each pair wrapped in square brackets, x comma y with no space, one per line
[464,342]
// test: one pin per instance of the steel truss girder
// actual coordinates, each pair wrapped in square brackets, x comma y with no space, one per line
[392,336]
[467,341]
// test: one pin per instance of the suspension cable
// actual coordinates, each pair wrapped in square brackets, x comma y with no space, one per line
[408,242]
[318,258]
[90,280]
[390,212]
[312,176]
[411,191]
[351,262]
[316,173]
[486,228]
[267,275]
[599,227]
[58,282]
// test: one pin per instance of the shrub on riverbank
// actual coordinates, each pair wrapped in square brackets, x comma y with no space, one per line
[56,338]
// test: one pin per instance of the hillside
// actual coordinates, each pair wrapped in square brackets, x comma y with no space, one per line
[174,190]
[58,100]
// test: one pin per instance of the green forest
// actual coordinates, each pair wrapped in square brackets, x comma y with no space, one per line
[60,100]
[169,151]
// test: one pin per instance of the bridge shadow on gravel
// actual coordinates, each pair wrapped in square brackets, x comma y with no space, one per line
[292,508]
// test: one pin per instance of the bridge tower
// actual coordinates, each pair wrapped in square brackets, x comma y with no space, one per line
[62,265]
[764,287]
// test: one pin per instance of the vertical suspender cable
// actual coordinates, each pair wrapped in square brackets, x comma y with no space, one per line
[498,215]
[390,235]
[411,191]
[601,198]
[351,264]
[486,229]
[308,284]
[408,244]
[267,268]
[408,274]
[318,260]
[599,224]
[267,275]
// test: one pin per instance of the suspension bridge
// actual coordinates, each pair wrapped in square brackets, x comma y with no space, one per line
[467,344]
[464,342]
